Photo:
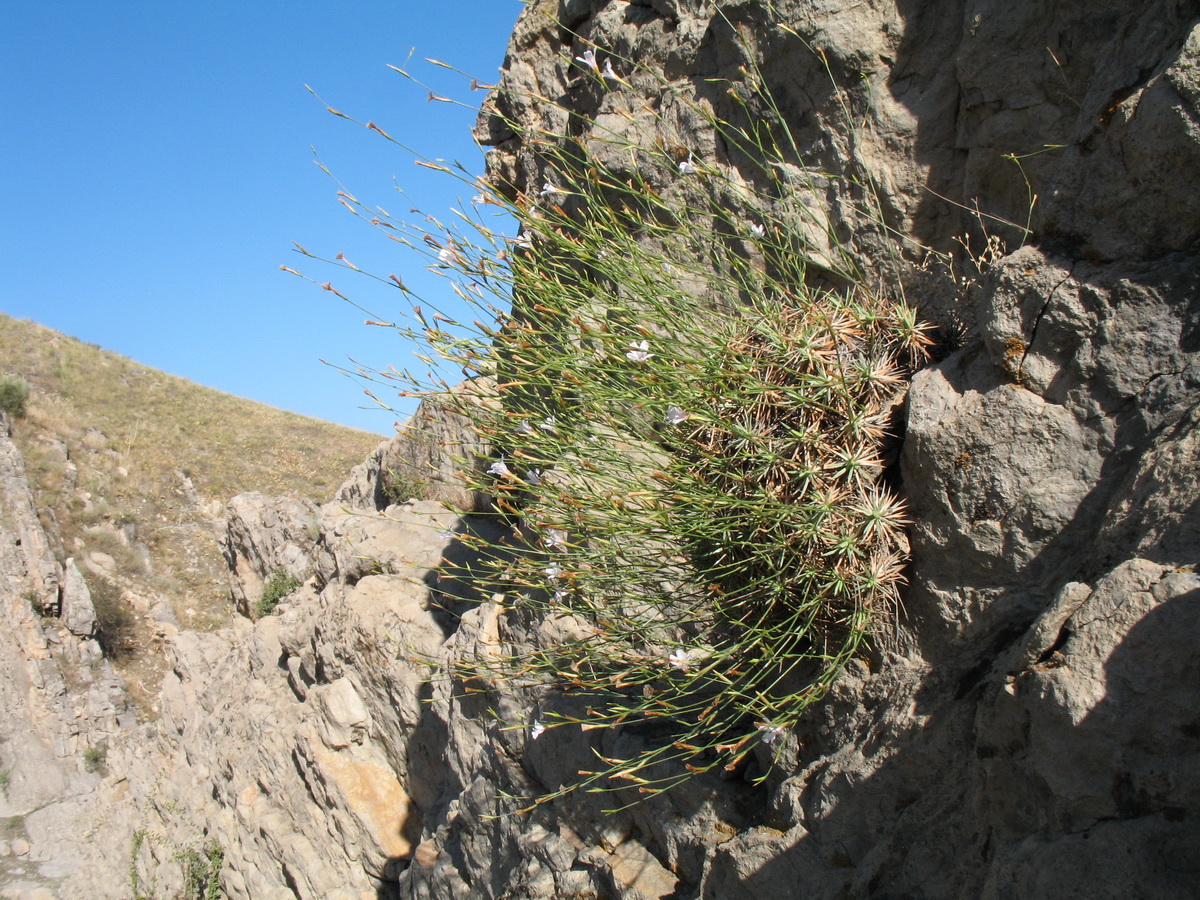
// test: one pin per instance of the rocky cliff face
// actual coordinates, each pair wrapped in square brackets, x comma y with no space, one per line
[61,704]
[1030,728]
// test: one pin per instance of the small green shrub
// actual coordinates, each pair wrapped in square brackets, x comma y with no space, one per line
[277,587]
[94,758]
[400,488]
[14,393]
[115,620]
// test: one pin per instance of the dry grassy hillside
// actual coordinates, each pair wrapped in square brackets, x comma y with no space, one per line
[132,468]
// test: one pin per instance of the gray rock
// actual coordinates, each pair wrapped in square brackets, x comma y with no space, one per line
[424,461]
[264,535]
[24,543]
[78,613]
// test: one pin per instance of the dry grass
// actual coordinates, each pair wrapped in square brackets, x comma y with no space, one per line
[137,464]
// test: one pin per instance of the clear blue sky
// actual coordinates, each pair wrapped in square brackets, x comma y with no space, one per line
[155,166]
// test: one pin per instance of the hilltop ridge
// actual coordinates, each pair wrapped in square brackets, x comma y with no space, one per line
[131,469]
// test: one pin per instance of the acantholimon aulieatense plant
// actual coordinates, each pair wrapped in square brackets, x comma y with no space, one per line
[688,406]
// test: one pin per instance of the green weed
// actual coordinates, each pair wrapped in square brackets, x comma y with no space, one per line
[14,394]
[94,758]
[277,587]
[201,871]
[400,488]
[140,889]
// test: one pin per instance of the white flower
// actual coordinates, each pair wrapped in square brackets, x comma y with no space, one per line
[555,539]
[498,468]
[768,733]
[446,534]
[559,596]
[688,166]
[639,352]
[681,659]
[549,190]
[536,730]
[524,241]
[523,428]
[533,477]
[479,199]
[757,230]
[609,74]
[449,256]
[552,573]
[548,423]
[675,415]
[588,58]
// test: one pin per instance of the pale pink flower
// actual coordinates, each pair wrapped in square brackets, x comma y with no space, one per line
[681,659]
[588,59]
[768,733]
[639,352]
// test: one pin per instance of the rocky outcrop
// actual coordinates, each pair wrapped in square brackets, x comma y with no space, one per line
[78,613]
[1027,727]
[265,535]
[30,561]
[424,461]
[292,742]
[61,703]
[997,748]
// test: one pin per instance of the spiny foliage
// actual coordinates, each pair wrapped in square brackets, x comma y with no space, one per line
[689,408]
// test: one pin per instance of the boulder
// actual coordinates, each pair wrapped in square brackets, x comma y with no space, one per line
[426,460]
[78,613]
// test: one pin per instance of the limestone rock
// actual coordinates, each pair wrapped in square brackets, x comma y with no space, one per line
[78,613]
[424,461]
[264,535]
[400,540]
[24,541]
[58,696]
